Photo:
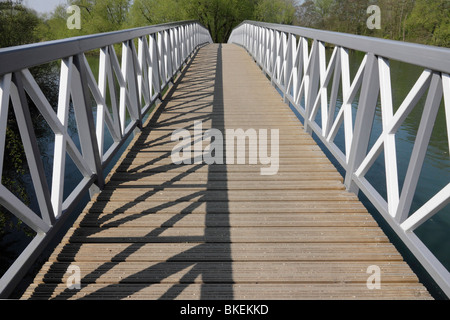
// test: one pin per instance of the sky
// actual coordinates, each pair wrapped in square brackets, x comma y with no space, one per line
[43,6]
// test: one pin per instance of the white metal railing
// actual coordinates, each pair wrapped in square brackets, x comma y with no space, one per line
[295,59]
[142,75]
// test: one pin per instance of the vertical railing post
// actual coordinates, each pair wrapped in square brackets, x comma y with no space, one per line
[172,51]
[111,60]
[276,57]
[143,78]
[85,122]
[183,44]
[272,52]
[364,119]
[334,92]
[289,65]
[59,156]
[258,45]
[155,64]
[268,50]
[179,47]
[263,48]
[313,85]
[5,87]
[167,56]
[133,71]
[418,154]
[390,153]
[323,88]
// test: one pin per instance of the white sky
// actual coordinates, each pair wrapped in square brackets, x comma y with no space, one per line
[43,6]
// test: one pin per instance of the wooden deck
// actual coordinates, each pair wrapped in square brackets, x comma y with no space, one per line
[198,231]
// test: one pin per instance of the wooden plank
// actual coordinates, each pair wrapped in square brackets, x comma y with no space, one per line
[242,207]
[74,252]
[226,272]
[196,175]
[242,291]
[142,194]
[318,167]
[217,234]
[151,184]
[229,220]
[313,157]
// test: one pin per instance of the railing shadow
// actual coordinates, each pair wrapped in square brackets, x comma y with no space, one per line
[199,89]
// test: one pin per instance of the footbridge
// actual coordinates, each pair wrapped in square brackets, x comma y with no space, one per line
[214,171]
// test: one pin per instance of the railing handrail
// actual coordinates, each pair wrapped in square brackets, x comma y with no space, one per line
[30,55]
[427,56]
[295,60]
[150,59]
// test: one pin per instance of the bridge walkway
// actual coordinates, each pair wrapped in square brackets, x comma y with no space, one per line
[161,230]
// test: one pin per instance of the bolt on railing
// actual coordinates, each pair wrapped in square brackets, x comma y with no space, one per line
[295,59]
[142,75]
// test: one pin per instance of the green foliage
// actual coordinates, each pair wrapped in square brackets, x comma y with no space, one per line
[17,25]
[97,16]
[220,16]
[422,21]
[149,12]
[106,15]
[429,22]
[276,11]
[55,26]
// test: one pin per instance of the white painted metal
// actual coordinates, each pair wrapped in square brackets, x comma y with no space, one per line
[307,77]
[59,159]
[5,86]
[142,75]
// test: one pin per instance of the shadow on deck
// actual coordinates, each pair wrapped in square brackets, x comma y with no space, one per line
[166,231]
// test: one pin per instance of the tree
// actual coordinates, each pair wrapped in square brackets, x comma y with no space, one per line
[349,16]
[55,26]
[17,24]
[97,16]
[220,16]
[324,9]
[108,15]
[149,12]
[276,11]
[394,15]
[307,15]
[429,23]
